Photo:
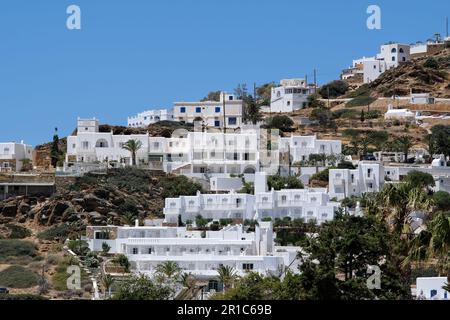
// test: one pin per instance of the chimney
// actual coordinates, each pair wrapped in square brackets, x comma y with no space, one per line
[136,223]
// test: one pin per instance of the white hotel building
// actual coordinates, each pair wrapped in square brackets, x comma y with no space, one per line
[148,117]
[12,154]
[308,204]
[148,246]
[211,113]
[193,154]
[390,56]
[292,94]
[368,177]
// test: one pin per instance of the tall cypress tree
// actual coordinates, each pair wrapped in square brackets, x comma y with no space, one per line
[55,152]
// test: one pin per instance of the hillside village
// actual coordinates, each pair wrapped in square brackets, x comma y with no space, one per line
[245,185]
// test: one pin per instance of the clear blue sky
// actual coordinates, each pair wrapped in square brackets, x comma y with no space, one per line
[135,55]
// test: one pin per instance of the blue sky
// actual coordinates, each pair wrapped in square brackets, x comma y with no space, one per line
[135,55]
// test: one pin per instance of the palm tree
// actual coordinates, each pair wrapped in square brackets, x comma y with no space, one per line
[228,276]
[107,282]
[399,201]
[404,143]
[188,280]
[133,146]
[169,270]
[128,218]
[433,243]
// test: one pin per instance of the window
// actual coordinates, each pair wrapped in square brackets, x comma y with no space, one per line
[198,110]
[247,266]
[288,103]
[283,199]
[135,251]
[401,50]
[156,145]
[369,173]
[191,203]
[74,146]
[394,50]
[403,59]
[85,144]
[149,250]
[217,109]
[393,58]
[238,202]
[183,110]
[217,123]
[265,199]
[232,121]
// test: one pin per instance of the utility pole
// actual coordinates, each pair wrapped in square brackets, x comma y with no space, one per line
[315,81]
[254,91]
[446,27]
[224,116]
[328,95]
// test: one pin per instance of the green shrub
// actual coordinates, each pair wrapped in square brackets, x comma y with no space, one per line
[21,297]
[373,114]
[60,232]
[18,232]
[333,89]
[442,200]
[175,186]
[279,182]
[18,277]
[431,63]
[321,176]
[16,249]
[360,101]
[283,123]
[345,113]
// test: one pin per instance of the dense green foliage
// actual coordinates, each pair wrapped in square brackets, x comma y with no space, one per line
[333,89]
[279,182]
[59,232]
[420,179]
[142,288]
[442,200]
[17,232]
[11,249]
[18,277]
[282,123]
[175,186]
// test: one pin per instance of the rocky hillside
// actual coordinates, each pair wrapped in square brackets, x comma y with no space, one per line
[428,74]
[119,197]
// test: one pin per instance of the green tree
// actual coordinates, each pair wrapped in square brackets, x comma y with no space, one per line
[105,248]
[228,276]
[141,287]
[169,270]
[431,63]
[212,96]
[314,102]
[419,179]
[335,263]
[278,182]
[442,200]
[252,113]
[107,281]
[122,261]
[363,118]
[133,146]
[55,153]
[404,144]
[333,89]
[283,123]
[439,140]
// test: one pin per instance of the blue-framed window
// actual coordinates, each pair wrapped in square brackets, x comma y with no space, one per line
[198,109]
[217,123]
[217,109]
[232,121]
[183,110]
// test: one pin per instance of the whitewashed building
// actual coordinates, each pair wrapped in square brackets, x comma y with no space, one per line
[344,183]
[292,94]
[311,204]
[399,114]
[430,288]
[195,252]
[421,98]
[390,56]
[301,147]
[148,117]
[12,154]
[227,111]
